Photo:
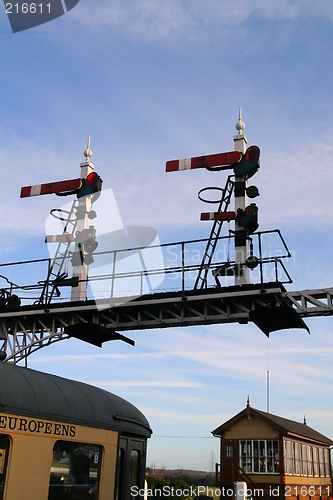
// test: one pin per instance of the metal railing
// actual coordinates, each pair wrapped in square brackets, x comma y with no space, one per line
[168,267]
[233,473]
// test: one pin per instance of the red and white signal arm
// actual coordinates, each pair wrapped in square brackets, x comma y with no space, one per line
[59,238]
[50,188]
[219,159]
[224,216]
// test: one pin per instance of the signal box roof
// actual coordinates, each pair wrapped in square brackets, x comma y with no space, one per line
[40,395]
[285,426]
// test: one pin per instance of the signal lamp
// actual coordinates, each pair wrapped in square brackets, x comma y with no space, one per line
[249,164]
[248,218]
[252,191]
[251,262]
[92,184]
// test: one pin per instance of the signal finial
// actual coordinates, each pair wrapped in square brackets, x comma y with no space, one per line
[88,152]
[240,125]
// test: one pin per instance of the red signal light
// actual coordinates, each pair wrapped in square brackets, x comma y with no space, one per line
[252,154]
[249,163]
[92,181]
[92,184]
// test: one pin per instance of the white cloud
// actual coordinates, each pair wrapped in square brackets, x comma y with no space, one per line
[80,358]
[189,20]
[185,359]
[149,383]
[299,180]
[176,416]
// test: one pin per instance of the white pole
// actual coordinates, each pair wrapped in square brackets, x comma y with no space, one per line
[268,375]
[84,205]
[242,274]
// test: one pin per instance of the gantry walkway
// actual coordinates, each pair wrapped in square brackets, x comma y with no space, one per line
[174,303]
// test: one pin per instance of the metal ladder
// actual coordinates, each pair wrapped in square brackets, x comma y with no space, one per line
[201,281]
[56,265]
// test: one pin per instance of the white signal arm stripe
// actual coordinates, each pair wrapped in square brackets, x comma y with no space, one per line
[209,215]
[185,164]
[59,238]
[35,190]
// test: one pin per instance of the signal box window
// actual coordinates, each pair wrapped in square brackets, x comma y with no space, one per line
[4,450]
[327,463]
[315,462]
[260,456]
[231,451]
[75,471]
[309,460]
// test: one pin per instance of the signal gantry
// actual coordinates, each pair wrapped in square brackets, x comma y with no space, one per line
[141,288]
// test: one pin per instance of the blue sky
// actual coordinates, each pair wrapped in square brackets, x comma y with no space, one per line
[151,82]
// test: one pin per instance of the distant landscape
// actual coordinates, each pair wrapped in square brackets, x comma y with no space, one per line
[176,483]
[191,477]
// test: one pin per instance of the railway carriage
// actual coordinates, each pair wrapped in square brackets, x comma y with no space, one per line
[62,439]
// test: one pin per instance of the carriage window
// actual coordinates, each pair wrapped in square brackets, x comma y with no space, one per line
[4,449]
[75,471]
[120,474]
[134,468]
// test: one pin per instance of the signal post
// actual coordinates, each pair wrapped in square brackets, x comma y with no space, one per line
[242,273]
[83,234]
[84,206]
[245,163]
